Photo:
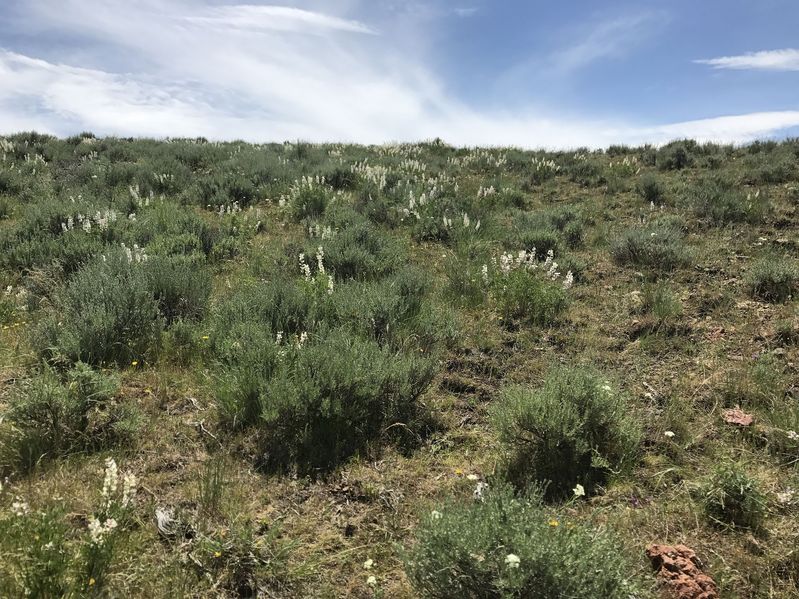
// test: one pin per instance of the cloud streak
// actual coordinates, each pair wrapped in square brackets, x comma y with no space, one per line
[276,18]
[767,60]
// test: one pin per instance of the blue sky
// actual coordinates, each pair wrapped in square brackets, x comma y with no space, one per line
[526,73]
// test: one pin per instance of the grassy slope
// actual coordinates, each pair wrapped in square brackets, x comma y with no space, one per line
[367,507]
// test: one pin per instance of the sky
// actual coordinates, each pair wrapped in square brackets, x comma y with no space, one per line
[579,73]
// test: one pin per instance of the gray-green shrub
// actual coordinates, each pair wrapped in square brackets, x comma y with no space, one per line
[721,203]
[507,546]
[658,246]
[773,279]
[575,428]
[50,417]
[106,313]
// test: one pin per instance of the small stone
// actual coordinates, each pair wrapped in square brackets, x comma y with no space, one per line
[738,416]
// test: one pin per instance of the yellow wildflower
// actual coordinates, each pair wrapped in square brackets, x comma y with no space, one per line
[553,523]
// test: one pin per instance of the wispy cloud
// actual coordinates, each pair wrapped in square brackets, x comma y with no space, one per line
[276,18]
[465,12]
[766,60]
[610,38]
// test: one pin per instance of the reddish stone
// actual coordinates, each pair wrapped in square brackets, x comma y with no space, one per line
[681,572]
[738,416]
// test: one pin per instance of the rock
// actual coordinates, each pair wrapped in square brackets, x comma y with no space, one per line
[680,569]
[738,416]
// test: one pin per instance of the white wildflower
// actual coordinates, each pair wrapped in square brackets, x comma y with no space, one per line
[512,560]
[436,515]
[479,490]
[304,268]
[128,488]
[568,281]
[110,480]
[793,435]
[579,491]
[20,508]
[367,565]
[320,255]
[669,434]
[484,273]
[371,581]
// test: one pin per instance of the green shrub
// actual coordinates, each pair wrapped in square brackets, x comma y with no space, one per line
[34,569]
[650,188]
[48,418]
[106,313]
[529,296]
[180,284]
[721,203]
[514,547]
[361,252]
[309,201]
[5,207]
[676,155]
[732,497]
[587,172]
[773,279]
[317,404]
[659,247]
[575,429]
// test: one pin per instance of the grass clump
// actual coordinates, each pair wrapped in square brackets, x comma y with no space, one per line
[508,546]
[575,429]
[719,202]
[50,417]
[734,498]
[43,556]
[658,246]
[760,382]
[773,279]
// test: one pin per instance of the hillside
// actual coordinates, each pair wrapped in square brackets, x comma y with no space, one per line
[300,370]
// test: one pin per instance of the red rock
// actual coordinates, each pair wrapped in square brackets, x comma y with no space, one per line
[738,416]
[681,572]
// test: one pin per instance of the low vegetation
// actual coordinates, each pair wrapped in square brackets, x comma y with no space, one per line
[412,370]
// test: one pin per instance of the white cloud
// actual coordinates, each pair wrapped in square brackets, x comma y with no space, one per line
[608,38]
[213,72]
[767,60]
[277,18]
